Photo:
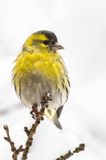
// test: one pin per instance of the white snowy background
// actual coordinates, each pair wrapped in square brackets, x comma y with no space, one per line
[81,28]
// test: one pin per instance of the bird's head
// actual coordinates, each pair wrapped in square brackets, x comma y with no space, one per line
[42,41]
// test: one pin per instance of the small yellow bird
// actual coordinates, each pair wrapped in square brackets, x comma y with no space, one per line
[39,69]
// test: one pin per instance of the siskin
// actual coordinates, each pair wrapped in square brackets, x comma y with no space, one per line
[39,69]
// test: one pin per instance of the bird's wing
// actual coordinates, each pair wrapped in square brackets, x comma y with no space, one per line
[59,110]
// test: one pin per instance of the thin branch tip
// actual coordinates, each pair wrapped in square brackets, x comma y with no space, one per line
[78,149]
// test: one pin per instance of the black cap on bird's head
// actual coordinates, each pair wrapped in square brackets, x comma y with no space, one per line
[51,40]
[50,35]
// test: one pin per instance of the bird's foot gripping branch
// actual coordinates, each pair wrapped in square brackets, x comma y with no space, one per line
[38,117]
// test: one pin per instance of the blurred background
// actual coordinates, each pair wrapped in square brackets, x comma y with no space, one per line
[81,28]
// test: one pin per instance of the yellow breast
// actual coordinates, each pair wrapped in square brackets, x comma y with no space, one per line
[50,65]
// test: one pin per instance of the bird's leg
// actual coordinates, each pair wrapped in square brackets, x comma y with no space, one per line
[45,100]
[44,104]
[34,112]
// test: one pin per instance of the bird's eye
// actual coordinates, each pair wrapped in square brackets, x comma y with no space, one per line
[46,42]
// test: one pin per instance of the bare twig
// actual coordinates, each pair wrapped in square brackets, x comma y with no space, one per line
[30,133]
[69,153]
[38,116]
[12,145]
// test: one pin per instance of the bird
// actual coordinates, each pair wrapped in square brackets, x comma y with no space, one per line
[39,69]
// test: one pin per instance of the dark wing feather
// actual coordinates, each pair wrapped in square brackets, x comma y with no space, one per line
[59,110]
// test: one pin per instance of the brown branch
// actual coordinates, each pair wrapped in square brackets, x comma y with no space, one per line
[12,145]
[30,133]
[69,153]
[38,116]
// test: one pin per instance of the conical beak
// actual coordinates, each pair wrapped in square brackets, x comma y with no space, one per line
[57,46]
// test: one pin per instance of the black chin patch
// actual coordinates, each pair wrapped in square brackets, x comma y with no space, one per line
[50,35]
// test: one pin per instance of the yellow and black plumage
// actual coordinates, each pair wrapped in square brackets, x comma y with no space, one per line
[39,69]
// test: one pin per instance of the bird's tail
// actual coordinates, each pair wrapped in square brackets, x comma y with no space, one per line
[56,121]
[52,115]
